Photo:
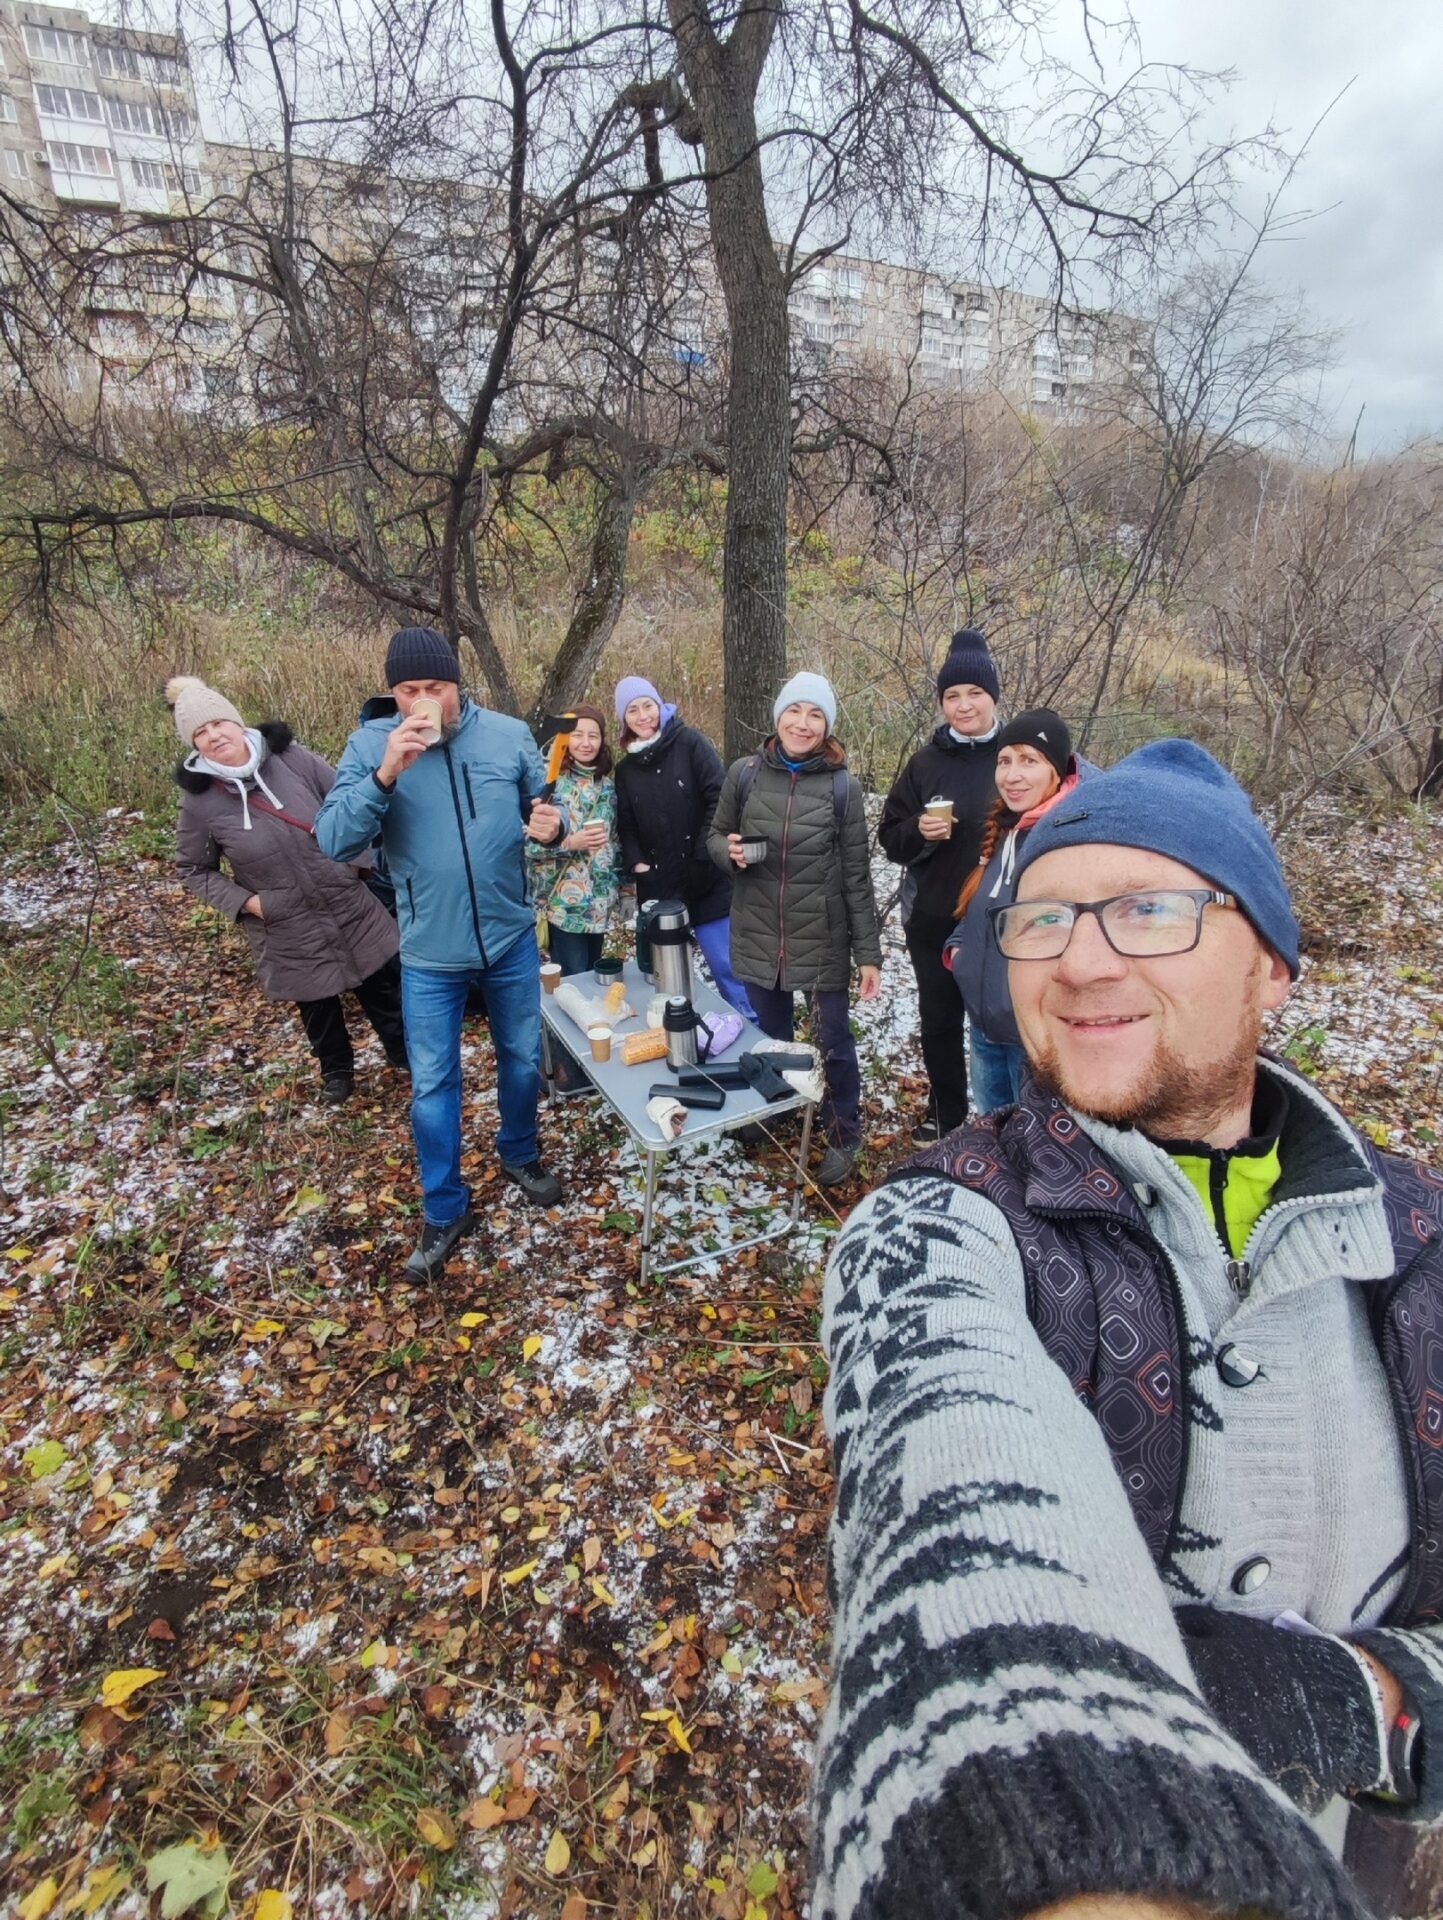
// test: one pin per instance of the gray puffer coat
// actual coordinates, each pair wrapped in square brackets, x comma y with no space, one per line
[805,916]
[324,930]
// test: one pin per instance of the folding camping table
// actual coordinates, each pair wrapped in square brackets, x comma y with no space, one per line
[625,1090]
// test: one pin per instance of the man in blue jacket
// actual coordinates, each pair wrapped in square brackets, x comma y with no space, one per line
[452,815]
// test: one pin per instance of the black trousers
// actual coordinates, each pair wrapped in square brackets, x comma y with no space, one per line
[944,1053]
[325,1024]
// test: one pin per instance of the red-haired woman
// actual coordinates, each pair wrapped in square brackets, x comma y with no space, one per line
[1035,768]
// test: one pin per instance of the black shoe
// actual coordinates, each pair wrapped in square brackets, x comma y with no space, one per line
[337,1088]
[541,1188]
[437,1246]
[926,1132]
[836,1166]
[399,1062]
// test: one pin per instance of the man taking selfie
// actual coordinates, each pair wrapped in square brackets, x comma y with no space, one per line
[1137,1397]
[452,789]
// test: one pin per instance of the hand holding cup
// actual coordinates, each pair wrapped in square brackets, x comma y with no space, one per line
[404,746]
[736,850]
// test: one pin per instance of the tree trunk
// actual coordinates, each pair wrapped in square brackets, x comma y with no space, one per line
[722,79]
[598,601]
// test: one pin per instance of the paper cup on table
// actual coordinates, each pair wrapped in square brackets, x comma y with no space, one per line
[940,809]
[600,1038]
[429,710]
[550,975]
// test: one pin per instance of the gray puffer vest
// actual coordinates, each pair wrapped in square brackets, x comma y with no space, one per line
[1091,1262]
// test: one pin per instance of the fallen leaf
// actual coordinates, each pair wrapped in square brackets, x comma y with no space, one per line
[481,1815]
[41,1897]
[603,1592]
[762,1881]
[518,1574]
[306,1200]
[472,1319]
[44,1458]
[338,1732]
[118,1686]
[272,1904]
[263,1329]
[190,1876]
[101,1886]
[436,1828]
[530,1346]
[375,1654]
[558,1853]
[573,1907]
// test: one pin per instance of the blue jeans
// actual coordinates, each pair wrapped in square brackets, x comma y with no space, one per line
[433,1004]
[840,1113]
[714,937]
[573,953]
[996,1071]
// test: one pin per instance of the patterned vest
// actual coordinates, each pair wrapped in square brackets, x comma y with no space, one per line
[1104,1300]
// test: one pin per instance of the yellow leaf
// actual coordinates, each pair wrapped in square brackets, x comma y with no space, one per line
[17,1254]
[473,1319]
[117,1687]
[436,1828]
[518,1574]
[41,1897]
[593,1729]
[272,1904]
[264,1327]
[678,1733]
[102,1884]
[375,1654]
[558,1853]
[55,1564]
[657,1713]
[307,1200]
[530,1346]
[603,1592]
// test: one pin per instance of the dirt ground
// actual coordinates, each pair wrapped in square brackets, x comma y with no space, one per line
[503,1596]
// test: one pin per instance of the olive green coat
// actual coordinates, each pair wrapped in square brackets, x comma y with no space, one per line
[806,915]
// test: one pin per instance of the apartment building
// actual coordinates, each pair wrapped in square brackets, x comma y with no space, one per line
[103,121]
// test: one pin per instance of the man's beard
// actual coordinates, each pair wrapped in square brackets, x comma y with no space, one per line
[1171,1099]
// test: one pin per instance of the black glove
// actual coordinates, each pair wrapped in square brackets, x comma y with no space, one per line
[1304,1706]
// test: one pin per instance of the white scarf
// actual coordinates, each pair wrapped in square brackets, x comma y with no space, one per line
[238,777]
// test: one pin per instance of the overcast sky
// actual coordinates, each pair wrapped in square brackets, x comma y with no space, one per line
[1371,264]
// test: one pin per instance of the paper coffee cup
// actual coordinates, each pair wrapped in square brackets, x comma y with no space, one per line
[940,809]
[550,975]
[754,852]
[429,710]
[600,1038]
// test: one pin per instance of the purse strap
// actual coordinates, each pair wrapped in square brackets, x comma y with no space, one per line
[263,806]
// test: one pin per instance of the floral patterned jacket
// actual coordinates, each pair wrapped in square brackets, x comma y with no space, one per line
[577,891]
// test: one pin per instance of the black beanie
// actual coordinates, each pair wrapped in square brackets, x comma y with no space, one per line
[1042,730]
[968,664]
[420,653]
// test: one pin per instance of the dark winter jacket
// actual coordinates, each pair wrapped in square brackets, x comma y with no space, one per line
[451,830]
[324,931]
[806,915]
[666,794]
[972,951]
[943,769]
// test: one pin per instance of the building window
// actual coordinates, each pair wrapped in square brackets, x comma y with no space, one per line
[7,110]
[156,177]
[142,116]
[92,162]
[138,63]
[16,165]
[55,45]
[69,103]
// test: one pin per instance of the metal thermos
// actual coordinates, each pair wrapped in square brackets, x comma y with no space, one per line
[643,938]
[679,1023]
[668,933]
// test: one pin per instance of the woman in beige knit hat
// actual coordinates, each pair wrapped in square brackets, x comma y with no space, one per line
[250,797]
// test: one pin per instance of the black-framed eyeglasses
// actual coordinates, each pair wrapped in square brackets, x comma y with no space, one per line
[1143,925]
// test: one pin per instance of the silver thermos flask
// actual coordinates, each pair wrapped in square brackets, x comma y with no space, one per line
[668,933]
[679,1024]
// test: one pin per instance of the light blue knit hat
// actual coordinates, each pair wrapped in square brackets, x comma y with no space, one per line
[807,686]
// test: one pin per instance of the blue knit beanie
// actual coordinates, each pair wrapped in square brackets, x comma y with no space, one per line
[420,653]
[810,687]
[1172,797]
[969,664]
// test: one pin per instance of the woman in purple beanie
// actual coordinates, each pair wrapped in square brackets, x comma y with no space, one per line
[668,777]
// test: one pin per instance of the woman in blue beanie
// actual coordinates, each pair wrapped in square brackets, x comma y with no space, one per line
[805,914]
[1036,768]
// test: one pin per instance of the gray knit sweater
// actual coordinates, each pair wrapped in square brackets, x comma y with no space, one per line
[1013,1718]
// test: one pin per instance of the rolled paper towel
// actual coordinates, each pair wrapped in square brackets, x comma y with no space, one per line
[667,1116]
[586,1011]
[807,1083]
[723,1028]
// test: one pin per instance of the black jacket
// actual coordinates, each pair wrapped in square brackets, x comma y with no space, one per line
[943,769]
[666,795]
